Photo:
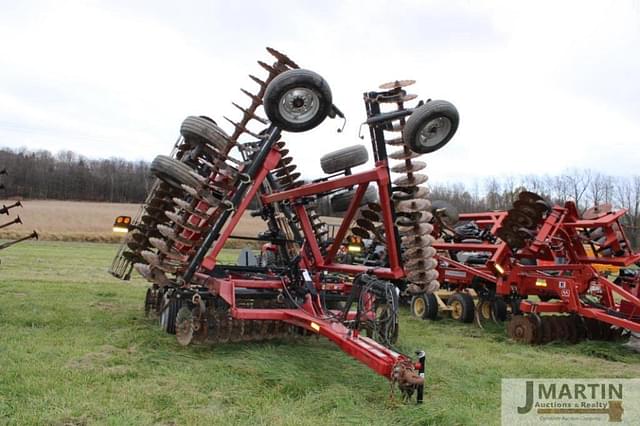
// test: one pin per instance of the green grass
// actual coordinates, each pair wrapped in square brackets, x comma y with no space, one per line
[75,348]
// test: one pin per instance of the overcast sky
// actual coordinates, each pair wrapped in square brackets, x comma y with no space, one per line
[540,86]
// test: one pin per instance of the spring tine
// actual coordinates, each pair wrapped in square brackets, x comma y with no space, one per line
[14,221]
[281,57]
[243,128]
[257,80]
[249,113]
[267,67]
[203,194]
[5,209]
[253,97]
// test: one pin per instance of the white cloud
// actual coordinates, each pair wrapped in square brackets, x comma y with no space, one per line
[540,86]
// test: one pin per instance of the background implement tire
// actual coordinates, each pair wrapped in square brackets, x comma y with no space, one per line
[197,129]
[173,172]
[424,306]
[344,158]
[431,126]
[297,100]
[341,201]
[462,307]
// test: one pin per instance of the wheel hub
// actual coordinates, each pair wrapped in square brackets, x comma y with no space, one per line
[456,309]
[299,105]
[434,131]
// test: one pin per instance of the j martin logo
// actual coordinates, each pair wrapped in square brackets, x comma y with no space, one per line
[576,401]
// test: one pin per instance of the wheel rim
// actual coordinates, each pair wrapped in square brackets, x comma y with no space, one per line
[419,307]
[434,132]
[456,309]
[485,310]
[299,105]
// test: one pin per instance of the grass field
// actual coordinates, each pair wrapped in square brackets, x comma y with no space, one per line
[76,349]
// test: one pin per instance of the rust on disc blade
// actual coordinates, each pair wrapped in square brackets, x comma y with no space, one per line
[422,264]
[521,329]
[131,257]
[420,252]
[413,205]
[432,287]
[411,180]
[597,211]
[403,155]
[419,229]
[529,197]
[285,170]
[396,84]
[370,215]
[137,236]
[375,207]
[289,179]
[135,246]
[423,276]
[395,141]
[362,233]
[532,210]
[285,161]
[521,219]
[512,239]
[413,219]
[396,98]
[413,166]
[366,224]
[418,241]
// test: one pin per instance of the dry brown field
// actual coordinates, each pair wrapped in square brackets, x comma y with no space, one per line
[83,221]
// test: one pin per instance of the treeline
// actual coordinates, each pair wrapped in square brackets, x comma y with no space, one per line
[69,176]
[587,188]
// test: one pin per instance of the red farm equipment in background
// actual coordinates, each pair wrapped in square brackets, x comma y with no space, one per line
[553,253]
[205,187]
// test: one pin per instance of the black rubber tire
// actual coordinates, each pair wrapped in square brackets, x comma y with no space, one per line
[292,79]
[422,116]
[344,158]
[174,307]
[341,201]
[468,307]
[173,172]
[498,310]
[196,129]
[450,215]
[430,306]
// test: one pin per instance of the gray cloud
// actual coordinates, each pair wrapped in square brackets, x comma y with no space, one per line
[538,92]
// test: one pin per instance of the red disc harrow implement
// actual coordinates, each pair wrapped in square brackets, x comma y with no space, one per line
[206,186]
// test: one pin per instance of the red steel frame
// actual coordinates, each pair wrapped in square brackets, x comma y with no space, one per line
[558,237]
[310,315]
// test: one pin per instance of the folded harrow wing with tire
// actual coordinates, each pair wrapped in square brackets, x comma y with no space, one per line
[203,190]
[552,253]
